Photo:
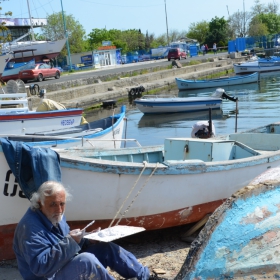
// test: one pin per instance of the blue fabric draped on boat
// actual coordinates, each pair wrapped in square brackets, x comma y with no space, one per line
[32,166]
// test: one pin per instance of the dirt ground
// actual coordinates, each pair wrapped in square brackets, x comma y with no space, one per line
[162,251]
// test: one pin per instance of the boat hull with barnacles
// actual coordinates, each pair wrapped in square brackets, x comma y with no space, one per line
[152,187]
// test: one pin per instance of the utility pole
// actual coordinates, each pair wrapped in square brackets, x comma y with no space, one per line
[244,18]
[166,23]
[66,35]
[227,11]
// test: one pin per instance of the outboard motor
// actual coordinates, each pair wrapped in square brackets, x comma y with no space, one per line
[204,129]
[220,92]
[42,92]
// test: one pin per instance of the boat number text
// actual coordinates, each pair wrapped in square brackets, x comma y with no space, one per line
[117,131]
[67,122]
[12,191]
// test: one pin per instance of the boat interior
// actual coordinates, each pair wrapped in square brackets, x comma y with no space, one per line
[264,141]
[61,134]
[177,149]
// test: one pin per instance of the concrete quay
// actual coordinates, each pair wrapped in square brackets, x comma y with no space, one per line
[84,93]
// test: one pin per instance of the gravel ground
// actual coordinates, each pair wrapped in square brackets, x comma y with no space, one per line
[162,251]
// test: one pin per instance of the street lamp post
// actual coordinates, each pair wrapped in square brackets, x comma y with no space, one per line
[166,23]
[66,35]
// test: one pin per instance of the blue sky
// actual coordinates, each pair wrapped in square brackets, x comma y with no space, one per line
[129,14]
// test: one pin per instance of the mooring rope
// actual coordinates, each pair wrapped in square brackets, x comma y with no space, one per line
[128,195]
[128,207]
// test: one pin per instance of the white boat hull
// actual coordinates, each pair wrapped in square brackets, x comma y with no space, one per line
[177,104]
[41,49]
[255,66]
[34,122]
[100,134]
[177,193]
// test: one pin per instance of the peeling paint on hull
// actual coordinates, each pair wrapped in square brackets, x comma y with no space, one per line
[241,240]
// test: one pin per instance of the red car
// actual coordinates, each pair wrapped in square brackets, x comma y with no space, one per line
[39,72]
[176,53]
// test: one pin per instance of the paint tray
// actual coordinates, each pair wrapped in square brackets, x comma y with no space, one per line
[113,233]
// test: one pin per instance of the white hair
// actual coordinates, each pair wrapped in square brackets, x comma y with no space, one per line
[47,189]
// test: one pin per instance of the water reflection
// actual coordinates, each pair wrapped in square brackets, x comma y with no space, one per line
[160,120]
[258,104]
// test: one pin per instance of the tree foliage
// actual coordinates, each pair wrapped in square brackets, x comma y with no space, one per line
[218,31]
[257,28]
[128,40]
[4,29]
[198,31]
[55,30]
[239,24]
[271,21]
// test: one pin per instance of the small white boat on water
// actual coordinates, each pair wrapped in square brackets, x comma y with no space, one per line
[17,119]
[156,104]
[183,84]
[104,133]
[260,65]
[152,187]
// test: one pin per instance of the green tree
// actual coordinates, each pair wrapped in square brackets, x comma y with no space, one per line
[198,31]
[272,22]
[4,29]
[257,28]
[96,36]
[218,31]
[161,40]
[55,30]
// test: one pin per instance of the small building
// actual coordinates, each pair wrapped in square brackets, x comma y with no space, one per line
[106,55]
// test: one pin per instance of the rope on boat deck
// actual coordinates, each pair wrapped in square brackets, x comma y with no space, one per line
[140,190]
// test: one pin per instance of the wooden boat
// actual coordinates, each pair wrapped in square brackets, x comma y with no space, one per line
[260,65]
[105,133]
[220,82]
[17,119]
[152,187]
[241,238]
[156,104]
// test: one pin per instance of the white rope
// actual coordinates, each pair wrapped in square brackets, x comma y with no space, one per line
[145,164]
[137,194]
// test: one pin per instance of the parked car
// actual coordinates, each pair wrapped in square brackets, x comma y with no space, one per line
[176,53]
[39,72]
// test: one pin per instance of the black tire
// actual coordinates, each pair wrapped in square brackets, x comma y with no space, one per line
[57,75]
[40,78]
[168,59]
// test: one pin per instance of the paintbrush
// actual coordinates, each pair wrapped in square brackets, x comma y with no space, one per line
[88,225]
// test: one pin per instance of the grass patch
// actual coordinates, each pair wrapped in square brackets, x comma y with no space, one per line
[194,62]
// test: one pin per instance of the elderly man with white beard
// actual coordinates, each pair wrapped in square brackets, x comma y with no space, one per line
[46,248]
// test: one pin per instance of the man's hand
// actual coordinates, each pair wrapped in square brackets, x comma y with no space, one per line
[77,235]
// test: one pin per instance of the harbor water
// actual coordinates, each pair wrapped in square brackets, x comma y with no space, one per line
[258,105]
